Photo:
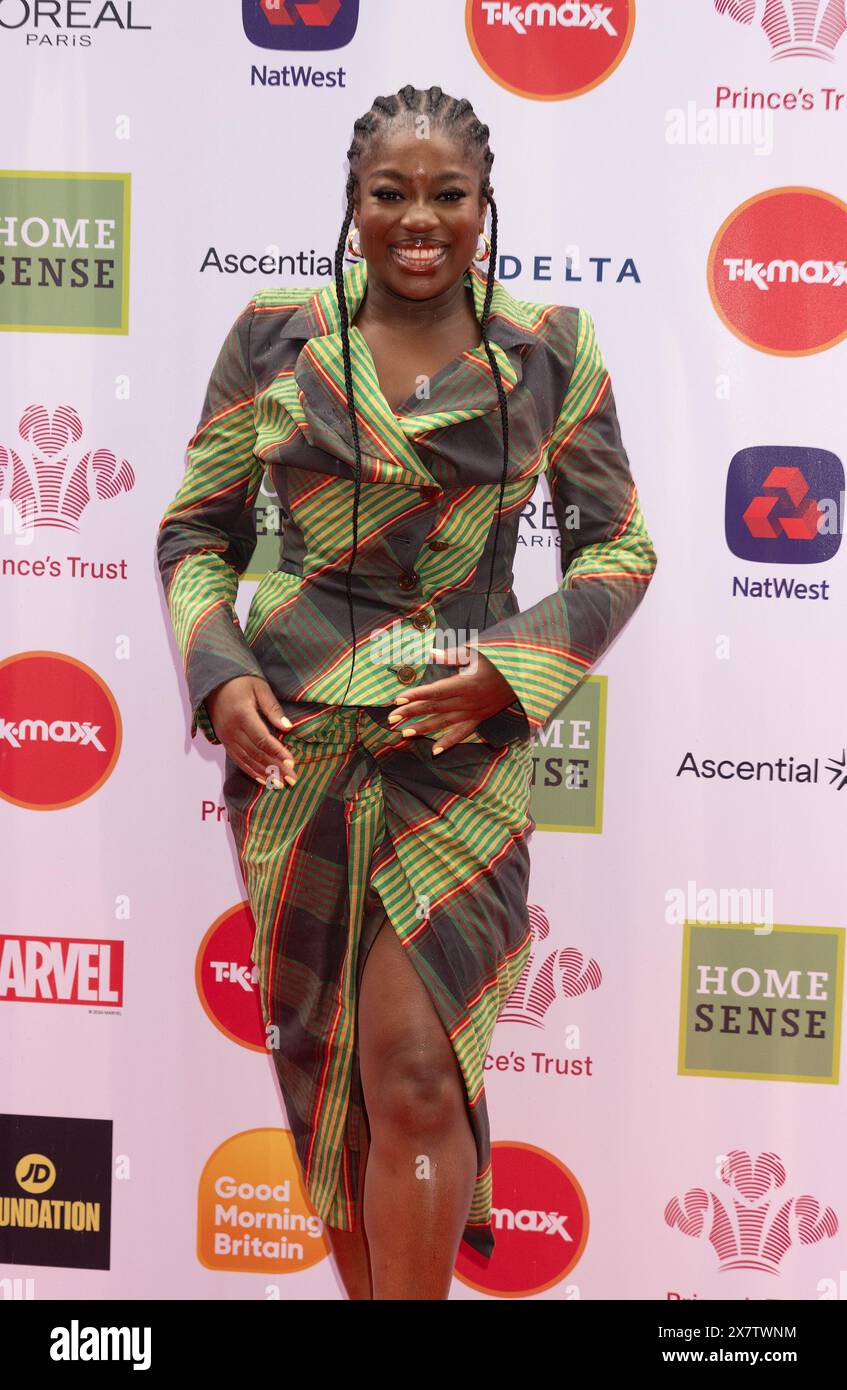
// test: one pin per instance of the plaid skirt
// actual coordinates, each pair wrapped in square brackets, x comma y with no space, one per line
[377,827]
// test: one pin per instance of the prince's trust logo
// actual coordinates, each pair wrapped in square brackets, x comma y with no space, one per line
[52,482]
[793,28]
[751,1224]
[549,975]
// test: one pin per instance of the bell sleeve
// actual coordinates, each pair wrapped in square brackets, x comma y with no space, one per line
[207,534]
[608,559]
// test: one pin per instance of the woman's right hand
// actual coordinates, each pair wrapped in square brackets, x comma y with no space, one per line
[236,709]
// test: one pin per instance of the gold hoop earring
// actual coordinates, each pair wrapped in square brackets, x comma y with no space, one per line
[486,250]
[354,251]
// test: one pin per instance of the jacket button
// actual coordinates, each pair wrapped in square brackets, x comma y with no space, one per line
[429,493]
[407,579]
[439,545]
[420,621]
[406,674]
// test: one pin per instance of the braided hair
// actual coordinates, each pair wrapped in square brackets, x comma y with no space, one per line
[457,119]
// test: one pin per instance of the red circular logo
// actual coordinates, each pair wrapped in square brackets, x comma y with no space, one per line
[549,52]
[60,730]
[540,1220]
[777,273]
[226,978]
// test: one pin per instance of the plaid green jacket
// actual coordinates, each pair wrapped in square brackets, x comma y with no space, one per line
[276,405]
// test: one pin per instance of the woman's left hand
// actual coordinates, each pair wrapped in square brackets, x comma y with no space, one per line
[453,707]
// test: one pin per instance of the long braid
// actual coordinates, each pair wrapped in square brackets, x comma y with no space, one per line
[501,394]
[457,118]
[351,408]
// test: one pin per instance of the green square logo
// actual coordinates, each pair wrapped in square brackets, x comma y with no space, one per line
[65,252]
[269,531]
[567,766]
[761,1004]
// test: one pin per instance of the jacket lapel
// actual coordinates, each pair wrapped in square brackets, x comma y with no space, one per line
[315,394]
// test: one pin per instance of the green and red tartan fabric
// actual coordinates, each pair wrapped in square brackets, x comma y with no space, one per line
[276,405]
[375,826]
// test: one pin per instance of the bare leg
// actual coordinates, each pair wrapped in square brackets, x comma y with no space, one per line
[350,1248]
[422,1163]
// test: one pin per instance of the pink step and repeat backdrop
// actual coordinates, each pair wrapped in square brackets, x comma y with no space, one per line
[666,1084]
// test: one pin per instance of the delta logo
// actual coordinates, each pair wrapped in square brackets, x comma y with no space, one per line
[300,24]
[549,52]
[750,1222]
[793,28]
[777,274]
[539,1214]
[227,980]
[60,731]
[62,970]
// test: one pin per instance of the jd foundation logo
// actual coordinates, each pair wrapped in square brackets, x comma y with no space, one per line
[60,731]
[763,1004]
[227,979]
[747,1218]
[55,1191]
[539,1215]
[300,24]
[253,1213]
[793,28]
[549,52]
[567,763]
[784,505]
[777,273]
[64,252]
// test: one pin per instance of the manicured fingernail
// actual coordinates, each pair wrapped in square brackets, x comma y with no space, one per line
[407,732]
[290,780]
[437,749]
[285,722]
[394,716]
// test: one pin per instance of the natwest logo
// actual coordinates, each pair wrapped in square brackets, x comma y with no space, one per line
[777,273]
[50,970]
[60,730]
[549,51]
[540,1218]
[300,24]
[794,28]
[784,504]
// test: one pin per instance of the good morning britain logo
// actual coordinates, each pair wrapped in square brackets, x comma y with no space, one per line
[549,52]
[777,273]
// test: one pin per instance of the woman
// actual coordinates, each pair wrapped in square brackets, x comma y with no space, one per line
[380,806]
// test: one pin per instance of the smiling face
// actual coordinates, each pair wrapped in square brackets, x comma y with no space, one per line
[418,210]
